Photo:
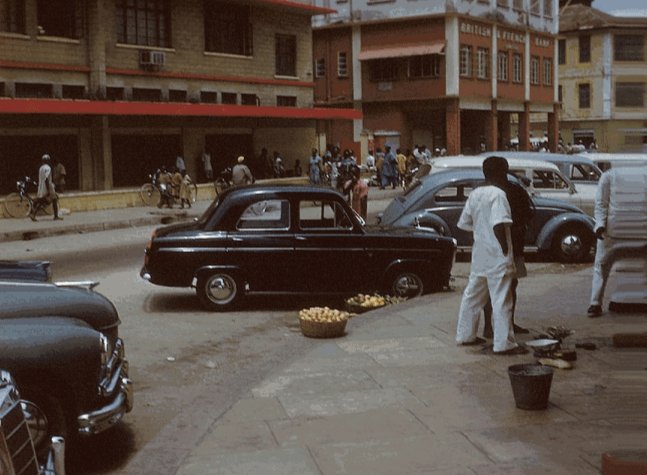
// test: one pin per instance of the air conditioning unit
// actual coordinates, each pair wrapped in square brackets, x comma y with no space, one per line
[152,60]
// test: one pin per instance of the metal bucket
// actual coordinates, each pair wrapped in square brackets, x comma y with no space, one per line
[530,385]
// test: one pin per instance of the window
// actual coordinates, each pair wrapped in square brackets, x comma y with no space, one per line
[12,16]
[517,68]
[250,100]
[466,61]
[453,194]
[146,94]
[209,96]
[286,55]
[548,8]
[320,68]
[517,4]
[630,94]
[33,90]
[60,18]
[584,172]
[585,48]
[266,214]
[548,180]
[143,22]
[548,72]
[502,66]
[115,93]
[177,95]
[561,51]
[628,47]
[229,98]
[427,66]
[483,63]
[382,70]
[342,65]
[329,215]
[534,7]
[286,101]
[584,91]
[73,92]
[227,28]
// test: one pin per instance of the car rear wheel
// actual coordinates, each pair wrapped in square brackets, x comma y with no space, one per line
[571,244]
[404,283]
[218,291]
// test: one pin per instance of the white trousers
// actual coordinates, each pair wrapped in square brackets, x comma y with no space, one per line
[474,299]
[601,269]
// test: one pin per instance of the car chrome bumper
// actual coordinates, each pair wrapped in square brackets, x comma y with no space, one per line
[105,417]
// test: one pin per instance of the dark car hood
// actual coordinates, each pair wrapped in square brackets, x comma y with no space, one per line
[35,299]
[386,230]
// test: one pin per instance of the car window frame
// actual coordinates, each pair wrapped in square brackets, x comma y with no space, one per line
[319,204]
[285,216]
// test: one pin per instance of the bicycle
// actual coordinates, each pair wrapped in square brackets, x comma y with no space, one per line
[149,192]
[20,204]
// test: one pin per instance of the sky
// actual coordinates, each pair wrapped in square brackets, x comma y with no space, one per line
[610,5]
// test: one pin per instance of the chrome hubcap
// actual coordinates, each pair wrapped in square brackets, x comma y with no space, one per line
[36,422]
[407,285]
[221,289]
[571,244]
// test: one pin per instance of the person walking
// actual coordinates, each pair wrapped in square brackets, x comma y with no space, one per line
[185,190]
[487,215]
[164,181]
[314,170]
[46,193]
[279,169]
[358,190]
[379,166]
[389,169]
[240,174]
[402,165]
[59,176]
[179,164]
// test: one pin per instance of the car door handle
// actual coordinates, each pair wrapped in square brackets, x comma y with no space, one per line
[302,238]
[237,239]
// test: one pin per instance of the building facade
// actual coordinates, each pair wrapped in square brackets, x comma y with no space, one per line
[118,88]
[450,74]
[603,79]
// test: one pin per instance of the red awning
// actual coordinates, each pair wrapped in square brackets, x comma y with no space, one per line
[402,51]
[112,108]
[296,6]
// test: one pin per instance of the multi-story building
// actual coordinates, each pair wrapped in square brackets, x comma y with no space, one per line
[603,78]
[118,88]
[450,74]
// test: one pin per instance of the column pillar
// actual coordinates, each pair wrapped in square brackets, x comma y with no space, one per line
[453,126]
[101,153]
[492,128]
[553,128]
[504,130]
[97,48]
[524,128]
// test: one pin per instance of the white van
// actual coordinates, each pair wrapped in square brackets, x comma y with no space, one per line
[546,179]
[607,160]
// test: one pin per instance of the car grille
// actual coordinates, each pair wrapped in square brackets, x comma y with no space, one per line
[18,440]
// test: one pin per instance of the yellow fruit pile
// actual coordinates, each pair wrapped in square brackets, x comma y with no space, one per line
[323,315]
[367,301]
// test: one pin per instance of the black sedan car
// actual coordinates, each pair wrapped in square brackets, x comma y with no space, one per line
[436,203]
[60,342]
[293,239]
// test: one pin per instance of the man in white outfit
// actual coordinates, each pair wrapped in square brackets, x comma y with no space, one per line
[487,214]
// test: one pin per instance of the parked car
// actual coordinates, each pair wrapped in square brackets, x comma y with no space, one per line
[61,345]
[17,453]
[609,160]
[39,271]
[438,201]
[545,179]
[292,239]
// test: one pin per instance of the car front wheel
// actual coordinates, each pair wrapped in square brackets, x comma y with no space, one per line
[571,244]
[45,418]
[404,284]
[218,291]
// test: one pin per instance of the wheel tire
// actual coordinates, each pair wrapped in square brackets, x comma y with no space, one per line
[45,418]
[15,206]
[150,195]
[571,244]
[218,291]
[404,283]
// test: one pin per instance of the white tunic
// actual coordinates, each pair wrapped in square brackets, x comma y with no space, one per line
[486,207]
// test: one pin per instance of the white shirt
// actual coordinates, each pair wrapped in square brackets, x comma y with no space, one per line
[44,181]
[486,207]
[370,161]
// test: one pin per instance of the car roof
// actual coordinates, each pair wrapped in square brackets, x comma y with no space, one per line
[610,157]
[546,156]
[461,161]
[285,189]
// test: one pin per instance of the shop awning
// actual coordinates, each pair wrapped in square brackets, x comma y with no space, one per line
[295,6]
[402,51]
[124,108]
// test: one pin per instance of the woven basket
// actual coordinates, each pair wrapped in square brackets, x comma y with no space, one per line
[322,329]
[355,308]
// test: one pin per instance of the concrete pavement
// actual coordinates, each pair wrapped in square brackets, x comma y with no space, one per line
[395,395]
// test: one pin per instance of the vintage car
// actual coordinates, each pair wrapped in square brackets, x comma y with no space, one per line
[17,451]
[437,202]
[292,239]
[60,342]
[40,271]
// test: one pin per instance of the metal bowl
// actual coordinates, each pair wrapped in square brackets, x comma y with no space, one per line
[544,344]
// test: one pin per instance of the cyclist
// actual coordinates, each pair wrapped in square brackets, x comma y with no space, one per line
[46,190]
